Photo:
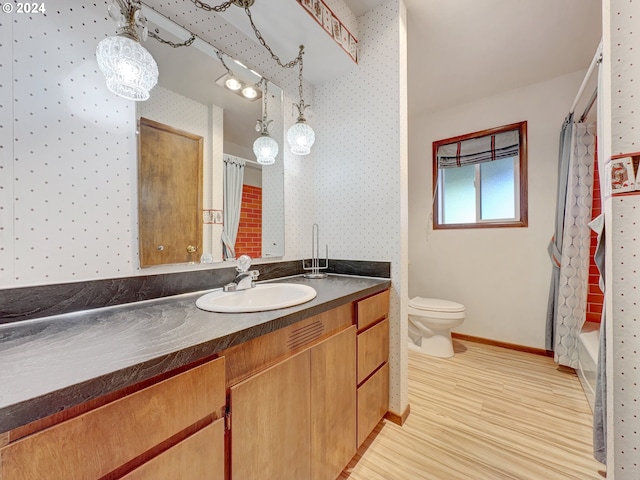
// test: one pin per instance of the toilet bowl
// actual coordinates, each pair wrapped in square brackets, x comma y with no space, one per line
[430,324]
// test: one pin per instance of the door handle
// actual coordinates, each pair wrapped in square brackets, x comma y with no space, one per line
[191,249]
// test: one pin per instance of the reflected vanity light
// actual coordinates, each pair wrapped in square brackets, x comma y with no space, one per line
[265,148]
[244,89]
[250,92]
[232,84]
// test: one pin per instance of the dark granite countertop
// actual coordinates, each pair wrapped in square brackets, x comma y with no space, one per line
[53,363]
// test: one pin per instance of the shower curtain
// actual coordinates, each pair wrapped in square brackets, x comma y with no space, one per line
[600,405]
[555,246]
[570,248]
[233,179]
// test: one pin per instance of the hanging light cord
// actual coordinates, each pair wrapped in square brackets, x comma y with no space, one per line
[292,63]
[301,106]
[217,8]
[265,92]
[186,43]
[263,124]
[246,4]
[219,55]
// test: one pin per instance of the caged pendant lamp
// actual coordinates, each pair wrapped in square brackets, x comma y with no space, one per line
[265,148]
[129,69]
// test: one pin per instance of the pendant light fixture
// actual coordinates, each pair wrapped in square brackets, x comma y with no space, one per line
[300,135]
[129,69]
[265,148]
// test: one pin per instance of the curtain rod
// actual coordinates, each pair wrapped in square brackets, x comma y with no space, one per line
[596,59]
[592,100]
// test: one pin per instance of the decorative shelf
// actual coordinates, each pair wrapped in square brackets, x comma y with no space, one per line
[324,16]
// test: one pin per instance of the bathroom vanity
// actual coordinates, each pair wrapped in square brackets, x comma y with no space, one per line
[163,390]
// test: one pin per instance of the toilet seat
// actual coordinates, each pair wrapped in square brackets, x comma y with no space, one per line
[430,306]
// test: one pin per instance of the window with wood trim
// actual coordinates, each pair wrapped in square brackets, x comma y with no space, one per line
[480,179]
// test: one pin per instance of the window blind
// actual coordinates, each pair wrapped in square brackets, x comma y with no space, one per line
[479,149]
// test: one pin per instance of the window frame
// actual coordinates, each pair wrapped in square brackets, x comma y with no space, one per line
[521,202]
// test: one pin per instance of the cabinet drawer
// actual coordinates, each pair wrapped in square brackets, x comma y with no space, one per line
[199,457]
[373,402]
[97,442]
[373,349]
[372,309]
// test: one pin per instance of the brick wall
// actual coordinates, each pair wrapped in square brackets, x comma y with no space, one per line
[595,297]
[249,239]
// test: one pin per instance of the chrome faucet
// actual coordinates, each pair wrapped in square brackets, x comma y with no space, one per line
[245,279]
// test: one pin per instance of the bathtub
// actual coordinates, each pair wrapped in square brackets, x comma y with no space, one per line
[588,359]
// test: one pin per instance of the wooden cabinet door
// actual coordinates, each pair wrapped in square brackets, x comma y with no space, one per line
[270,423]
[198,457]
[333,405]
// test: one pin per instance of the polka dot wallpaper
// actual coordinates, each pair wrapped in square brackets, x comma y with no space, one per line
[6,151]
[625,65]
[359,159]
[624,236]
[73,145]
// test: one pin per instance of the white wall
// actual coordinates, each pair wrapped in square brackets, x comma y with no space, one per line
[236,150]
[501,275]
[360,166]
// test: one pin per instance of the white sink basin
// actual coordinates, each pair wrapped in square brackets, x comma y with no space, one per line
[265,296]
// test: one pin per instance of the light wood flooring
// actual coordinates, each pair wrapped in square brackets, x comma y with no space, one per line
[487,413]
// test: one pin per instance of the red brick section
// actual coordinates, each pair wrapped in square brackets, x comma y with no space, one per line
[595,297]
[249,239]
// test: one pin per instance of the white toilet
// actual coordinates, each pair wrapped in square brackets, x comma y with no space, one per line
[430,324]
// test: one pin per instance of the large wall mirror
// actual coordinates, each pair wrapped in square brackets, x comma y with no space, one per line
[190,132]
